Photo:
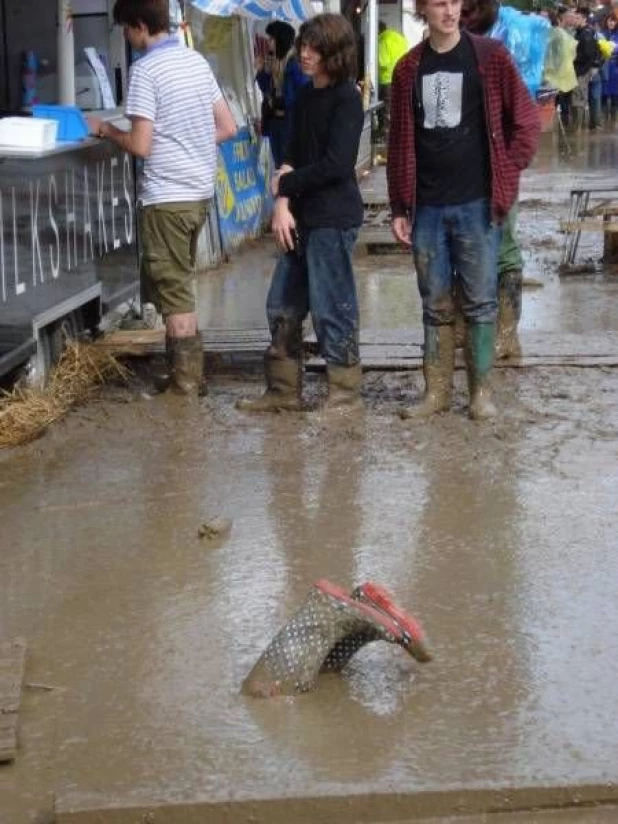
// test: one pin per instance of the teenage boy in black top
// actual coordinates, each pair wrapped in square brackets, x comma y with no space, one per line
[318,212]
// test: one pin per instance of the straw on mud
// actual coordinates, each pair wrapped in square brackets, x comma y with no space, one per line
[26,413]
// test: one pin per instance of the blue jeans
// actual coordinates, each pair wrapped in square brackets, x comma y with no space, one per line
[457,241]
[595,89]
[318,278]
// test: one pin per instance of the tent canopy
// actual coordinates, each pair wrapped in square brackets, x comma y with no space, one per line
[292,11]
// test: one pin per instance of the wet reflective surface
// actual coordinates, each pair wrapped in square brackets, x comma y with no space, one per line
[500,537]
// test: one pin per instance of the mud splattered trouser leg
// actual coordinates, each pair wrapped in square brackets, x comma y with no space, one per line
[319,278]
[458,238]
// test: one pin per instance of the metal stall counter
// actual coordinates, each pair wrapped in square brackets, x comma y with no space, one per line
[68,250]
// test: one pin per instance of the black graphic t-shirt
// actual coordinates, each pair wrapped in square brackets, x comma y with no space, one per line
[452,151]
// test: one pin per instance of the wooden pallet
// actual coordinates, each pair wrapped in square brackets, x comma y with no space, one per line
[381,349]
[12,668]
[590,210]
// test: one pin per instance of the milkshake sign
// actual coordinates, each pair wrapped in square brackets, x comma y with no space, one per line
[62,220]
[241,189]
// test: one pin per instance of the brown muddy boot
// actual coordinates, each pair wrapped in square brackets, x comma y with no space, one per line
[344,385]
[283,387]
[510,287]
[479,362]
[414,640]
[295,657]
[187,366]
[438,366]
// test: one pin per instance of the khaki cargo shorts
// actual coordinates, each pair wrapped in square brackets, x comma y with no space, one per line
[169,234]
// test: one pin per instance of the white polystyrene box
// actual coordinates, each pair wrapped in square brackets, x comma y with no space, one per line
[28,132]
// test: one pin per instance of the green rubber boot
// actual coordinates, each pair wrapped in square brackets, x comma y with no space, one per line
[480,343]
[438,366]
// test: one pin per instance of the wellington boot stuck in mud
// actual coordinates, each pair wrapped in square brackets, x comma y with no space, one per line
[479,353]
[438,367]
[188,366]
[294,659]
[344,387]
[283,387]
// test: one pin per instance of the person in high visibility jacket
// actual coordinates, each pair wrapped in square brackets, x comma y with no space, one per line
[392,45]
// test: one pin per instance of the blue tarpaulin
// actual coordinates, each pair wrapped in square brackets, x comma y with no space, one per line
[290,10]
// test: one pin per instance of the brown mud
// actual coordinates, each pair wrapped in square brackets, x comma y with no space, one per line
[501,537]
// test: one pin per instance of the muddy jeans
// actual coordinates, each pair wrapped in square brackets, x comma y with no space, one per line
[462,239]
[318,278]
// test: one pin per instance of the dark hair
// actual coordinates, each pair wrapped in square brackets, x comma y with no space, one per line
[283,34]
[154,14]
[332,36]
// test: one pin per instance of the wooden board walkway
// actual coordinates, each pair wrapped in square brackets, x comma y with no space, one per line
[386,350]
[12,668]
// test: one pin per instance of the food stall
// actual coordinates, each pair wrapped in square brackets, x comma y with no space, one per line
[67,206]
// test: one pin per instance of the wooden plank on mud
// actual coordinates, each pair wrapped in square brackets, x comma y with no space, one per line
[591,225]
[386,348]
[12,667]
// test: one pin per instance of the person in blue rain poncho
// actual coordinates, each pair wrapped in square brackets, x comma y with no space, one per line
[526,37]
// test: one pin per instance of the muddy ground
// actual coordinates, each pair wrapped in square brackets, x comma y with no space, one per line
[501,537]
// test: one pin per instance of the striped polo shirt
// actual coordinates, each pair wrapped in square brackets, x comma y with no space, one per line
[174,87]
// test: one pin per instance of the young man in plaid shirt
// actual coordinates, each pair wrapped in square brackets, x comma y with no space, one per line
[463,128]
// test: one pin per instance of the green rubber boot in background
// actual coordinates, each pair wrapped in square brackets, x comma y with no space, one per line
[480,343]
[438,366]
[283,386]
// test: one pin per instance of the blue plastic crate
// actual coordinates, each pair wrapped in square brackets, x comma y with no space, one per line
[72,124]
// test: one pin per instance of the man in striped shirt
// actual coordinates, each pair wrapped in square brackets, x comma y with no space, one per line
[178,116]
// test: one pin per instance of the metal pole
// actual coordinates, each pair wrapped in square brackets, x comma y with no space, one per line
[371,47]
[66,54]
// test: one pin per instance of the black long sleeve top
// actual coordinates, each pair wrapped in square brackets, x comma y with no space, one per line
[326,129]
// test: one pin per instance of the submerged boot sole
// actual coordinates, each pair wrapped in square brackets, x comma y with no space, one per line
[293,660]
[414,640]
[379,598]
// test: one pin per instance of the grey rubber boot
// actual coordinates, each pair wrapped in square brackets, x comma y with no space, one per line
[510,288]
[479,352]
[187,366]
[438,367]
[344,386]
[293,660]
[283,386]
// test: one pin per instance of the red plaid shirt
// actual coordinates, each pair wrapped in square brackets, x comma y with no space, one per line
[511,117]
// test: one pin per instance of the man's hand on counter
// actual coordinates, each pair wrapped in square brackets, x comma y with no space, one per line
[137,141]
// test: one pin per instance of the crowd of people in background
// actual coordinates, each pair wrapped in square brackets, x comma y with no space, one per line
[582,64]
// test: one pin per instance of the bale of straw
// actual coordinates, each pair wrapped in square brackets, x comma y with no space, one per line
[26,413]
